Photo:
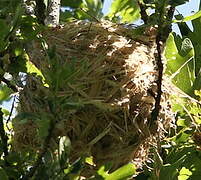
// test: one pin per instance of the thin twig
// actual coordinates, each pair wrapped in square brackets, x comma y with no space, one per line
[93,17]
[11,112]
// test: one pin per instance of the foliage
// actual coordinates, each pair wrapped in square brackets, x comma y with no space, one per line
[179,155]
[126,11]
[82,9]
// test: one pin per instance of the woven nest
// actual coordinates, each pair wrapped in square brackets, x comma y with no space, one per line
[112,77]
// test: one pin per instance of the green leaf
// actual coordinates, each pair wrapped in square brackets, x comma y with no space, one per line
[122,173]
[183,123]
[182,136]
[191,161]
[127,11]
[195,38]
[90,9]
[181,63]
[3,175]
[177,2]
[31,68]
[18,65]
[77,166]
[4,30]
[18,51]
[43,125]
[170,171]
[23,117]
[94,7]
[71,3]
[15,21]
[184,174]
[29,28]
[102,172]
[5,112]
[13,158]
[12,172]
[66,16]
[26,115]
[188,18]
[9,5]
[5,93]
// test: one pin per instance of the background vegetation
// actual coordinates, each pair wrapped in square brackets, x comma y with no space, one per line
[179,156]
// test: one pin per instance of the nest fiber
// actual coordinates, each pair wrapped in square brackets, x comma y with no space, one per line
[104,95]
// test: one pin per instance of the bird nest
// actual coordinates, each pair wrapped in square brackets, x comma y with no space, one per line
[98,89]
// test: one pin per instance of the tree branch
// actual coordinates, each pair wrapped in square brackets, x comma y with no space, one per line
[161,37]
[40,11]
[157,107]
[11,112]
[143,13]
[53,12]
[4,137]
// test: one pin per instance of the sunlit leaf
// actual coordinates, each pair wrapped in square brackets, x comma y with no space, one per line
[89,9]
[188,18]
[89,160]
[5,112]
[181,63]
[29,28]
[125,11]
[195,38]
[18,51]
[191,160]
[184,174]
[5,93]
[31,68]
[182,122]
[181,137]
[123,172]
[170,171]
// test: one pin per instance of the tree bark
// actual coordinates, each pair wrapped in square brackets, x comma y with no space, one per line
[53,12]
[37,8]
[40,11]
[29,6]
